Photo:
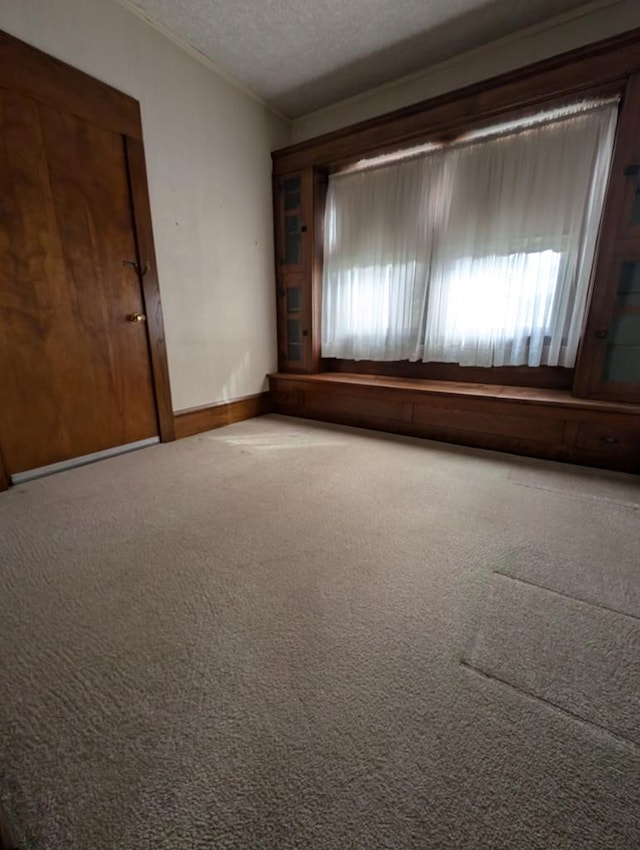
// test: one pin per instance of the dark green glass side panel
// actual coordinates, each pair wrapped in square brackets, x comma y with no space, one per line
[622,359]
[628,299]
[294,351]
[622,364]
[294,299]
[293,256]
[629,287]
[625,330]
[635,212]
[291,224]
[292,188]
[294,330]
[293,240]
[630,277]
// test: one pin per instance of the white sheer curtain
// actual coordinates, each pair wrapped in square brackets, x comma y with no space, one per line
[378,249]
[479,253]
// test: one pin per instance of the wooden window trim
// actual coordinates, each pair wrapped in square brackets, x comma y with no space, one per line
[541,377]
[599,68]
[150,286]
[30,71]
[618,241]
[603,68]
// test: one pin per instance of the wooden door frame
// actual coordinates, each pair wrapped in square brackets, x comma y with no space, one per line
[37,75]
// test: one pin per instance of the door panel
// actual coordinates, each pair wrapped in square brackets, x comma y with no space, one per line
[93,211]
[76,375]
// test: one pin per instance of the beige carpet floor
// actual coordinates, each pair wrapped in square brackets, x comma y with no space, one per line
[286,635]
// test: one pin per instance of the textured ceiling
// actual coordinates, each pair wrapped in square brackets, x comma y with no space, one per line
[301,55]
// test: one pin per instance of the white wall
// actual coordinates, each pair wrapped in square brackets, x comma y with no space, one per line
[596,21]
[207,145]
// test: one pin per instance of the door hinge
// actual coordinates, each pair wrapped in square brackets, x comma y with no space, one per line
[134,265]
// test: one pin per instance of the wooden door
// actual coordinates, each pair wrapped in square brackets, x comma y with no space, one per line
[75,372]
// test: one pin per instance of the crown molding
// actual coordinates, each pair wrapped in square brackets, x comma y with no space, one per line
[200,57]
[461,58]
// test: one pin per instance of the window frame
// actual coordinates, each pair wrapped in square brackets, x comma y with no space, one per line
[604,68]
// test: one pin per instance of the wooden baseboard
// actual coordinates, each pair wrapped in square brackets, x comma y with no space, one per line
[195,420]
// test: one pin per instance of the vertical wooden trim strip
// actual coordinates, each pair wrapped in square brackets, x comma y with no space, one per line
[277,272]
[4,478]
[320,187]
[150,285]
[308,219]
[612,244]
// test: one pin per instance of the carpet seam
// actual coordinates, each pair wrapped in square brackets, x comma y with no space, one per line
[466,665]
[567,595]
[635,506]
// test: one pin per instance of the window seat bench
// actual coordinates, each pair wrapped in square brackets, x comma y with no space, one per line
[543,423]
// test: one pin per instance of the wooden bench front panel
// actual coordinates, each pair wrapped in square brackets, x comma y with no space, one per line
[536,423]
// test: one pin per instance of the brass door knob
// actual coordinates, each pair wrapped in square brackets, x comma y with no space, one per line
[136,317]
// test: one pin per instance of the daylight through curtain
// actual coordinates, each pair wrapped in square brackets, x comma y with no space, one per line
[478,253]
